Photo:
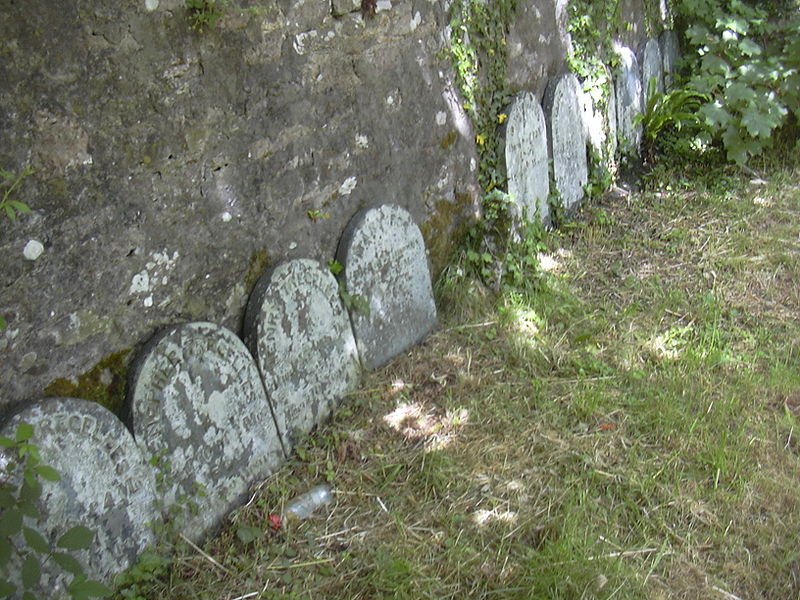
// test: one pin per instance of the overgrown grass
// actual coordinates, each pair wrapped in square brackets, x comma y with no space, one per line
[624,426]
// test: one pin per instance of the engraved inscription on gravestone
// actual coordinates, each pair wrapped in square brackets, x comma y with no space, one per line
[526,158]
[299,332]
[385,263]
[567,139]
[629,101]
[105,485]
[652,68]
[197,401]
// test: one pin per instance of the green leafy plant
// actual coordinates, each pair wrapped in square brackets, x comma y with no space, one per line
[670,114]
[204,14]
[748,62]
[10,182]
[23,544]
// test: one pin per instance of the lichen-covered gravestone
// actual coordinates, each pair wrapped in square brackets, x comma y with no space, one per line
[105,485]
[652,69]
[196,402]
[567,139]
[387,281]
[670,54]
[628,86]
[299,332]
[527,164]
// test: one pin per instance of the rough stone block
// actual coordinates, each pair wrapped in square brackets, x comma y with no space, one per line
[566,138]
[196,401]
[670,55]
[628,86]
[652,68]
[105,485]
[386,267]
[527,163]
[300,334]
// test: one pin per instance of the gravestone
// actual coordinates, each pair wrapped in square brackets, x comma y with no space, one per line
[387,280]
[567,139]
[105,485]
[652,69]
[628,86]
[670,55]
[526,158]
[196,402]
[299,332]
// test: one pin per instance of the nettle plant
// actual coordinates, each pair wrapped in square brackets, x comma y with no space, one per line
[24,551]
[747,60]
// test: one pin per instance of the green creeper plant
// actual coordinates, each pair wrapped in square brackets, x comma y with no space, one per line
[20,488]
[9,182]
[204,14]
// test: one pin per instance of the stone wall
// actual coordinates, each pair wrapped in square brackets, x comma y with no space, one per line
[174,166]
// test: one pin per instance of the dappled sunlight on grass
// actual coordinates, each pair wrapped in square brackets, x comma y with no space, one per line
[417,422]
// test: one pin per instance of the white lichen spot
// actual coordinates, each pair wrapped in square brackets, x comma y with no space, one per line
[348,186]
[299,43]
[226,216]
[148,302]
[383,5]
[416,20]
[390,101]
[441,117]
[473,164]
[33,249]
[150,5]
[140,282]
[362,141]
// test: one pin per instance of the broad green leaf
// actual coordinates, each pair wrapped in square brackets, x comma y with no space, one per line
[24,432]
[5,551]
[7,442]
[20,206]
[68,562]
[10,522]
[77,538]
[48,473]
[31,489]
[7,499]
[749,47]
[35,540]
[715,115]
[31,571]
[89,589]
[740,93]
[28,508]
[756,124]
[6,588]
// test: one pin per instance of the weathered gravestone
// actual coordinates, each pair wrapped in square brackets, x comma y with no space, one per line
[670,55]
[387,281]
[628,85]
[105,485]
[652,69]
[527,163]
[566,138]
[299,332]
[197,403]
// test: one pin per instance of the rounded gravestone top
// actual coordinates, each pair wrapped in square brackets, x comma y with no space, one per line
[527,163]
[386,269]
[567,139]
[629,101]
[652,69]
[670,55]
[106,485]
[197,402]
[300,334]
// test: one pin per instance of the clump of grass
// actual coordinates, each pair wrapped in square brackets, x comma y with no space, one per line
[626,426]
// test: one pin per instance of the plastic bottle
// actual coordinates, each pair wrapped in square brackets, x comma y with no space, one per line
[306,503]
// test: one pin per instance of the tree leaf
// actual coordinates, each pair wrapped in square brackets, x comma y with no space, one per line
[7,442]
[31,488]
[749,47]
[35,540]
[89,589]
[77,538]
[24,432]
[68,562]
[48,473]
[31,571]
[10,522]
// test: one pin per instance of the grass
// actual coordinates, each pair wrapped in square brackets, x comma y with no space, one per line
[625,426]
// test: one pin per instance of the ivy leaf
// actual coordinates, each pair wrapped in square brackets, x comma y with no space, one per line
[31,571]
[35,540]
[10,522]
[68,562]
[24,432]
[47,473]
[77,538]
